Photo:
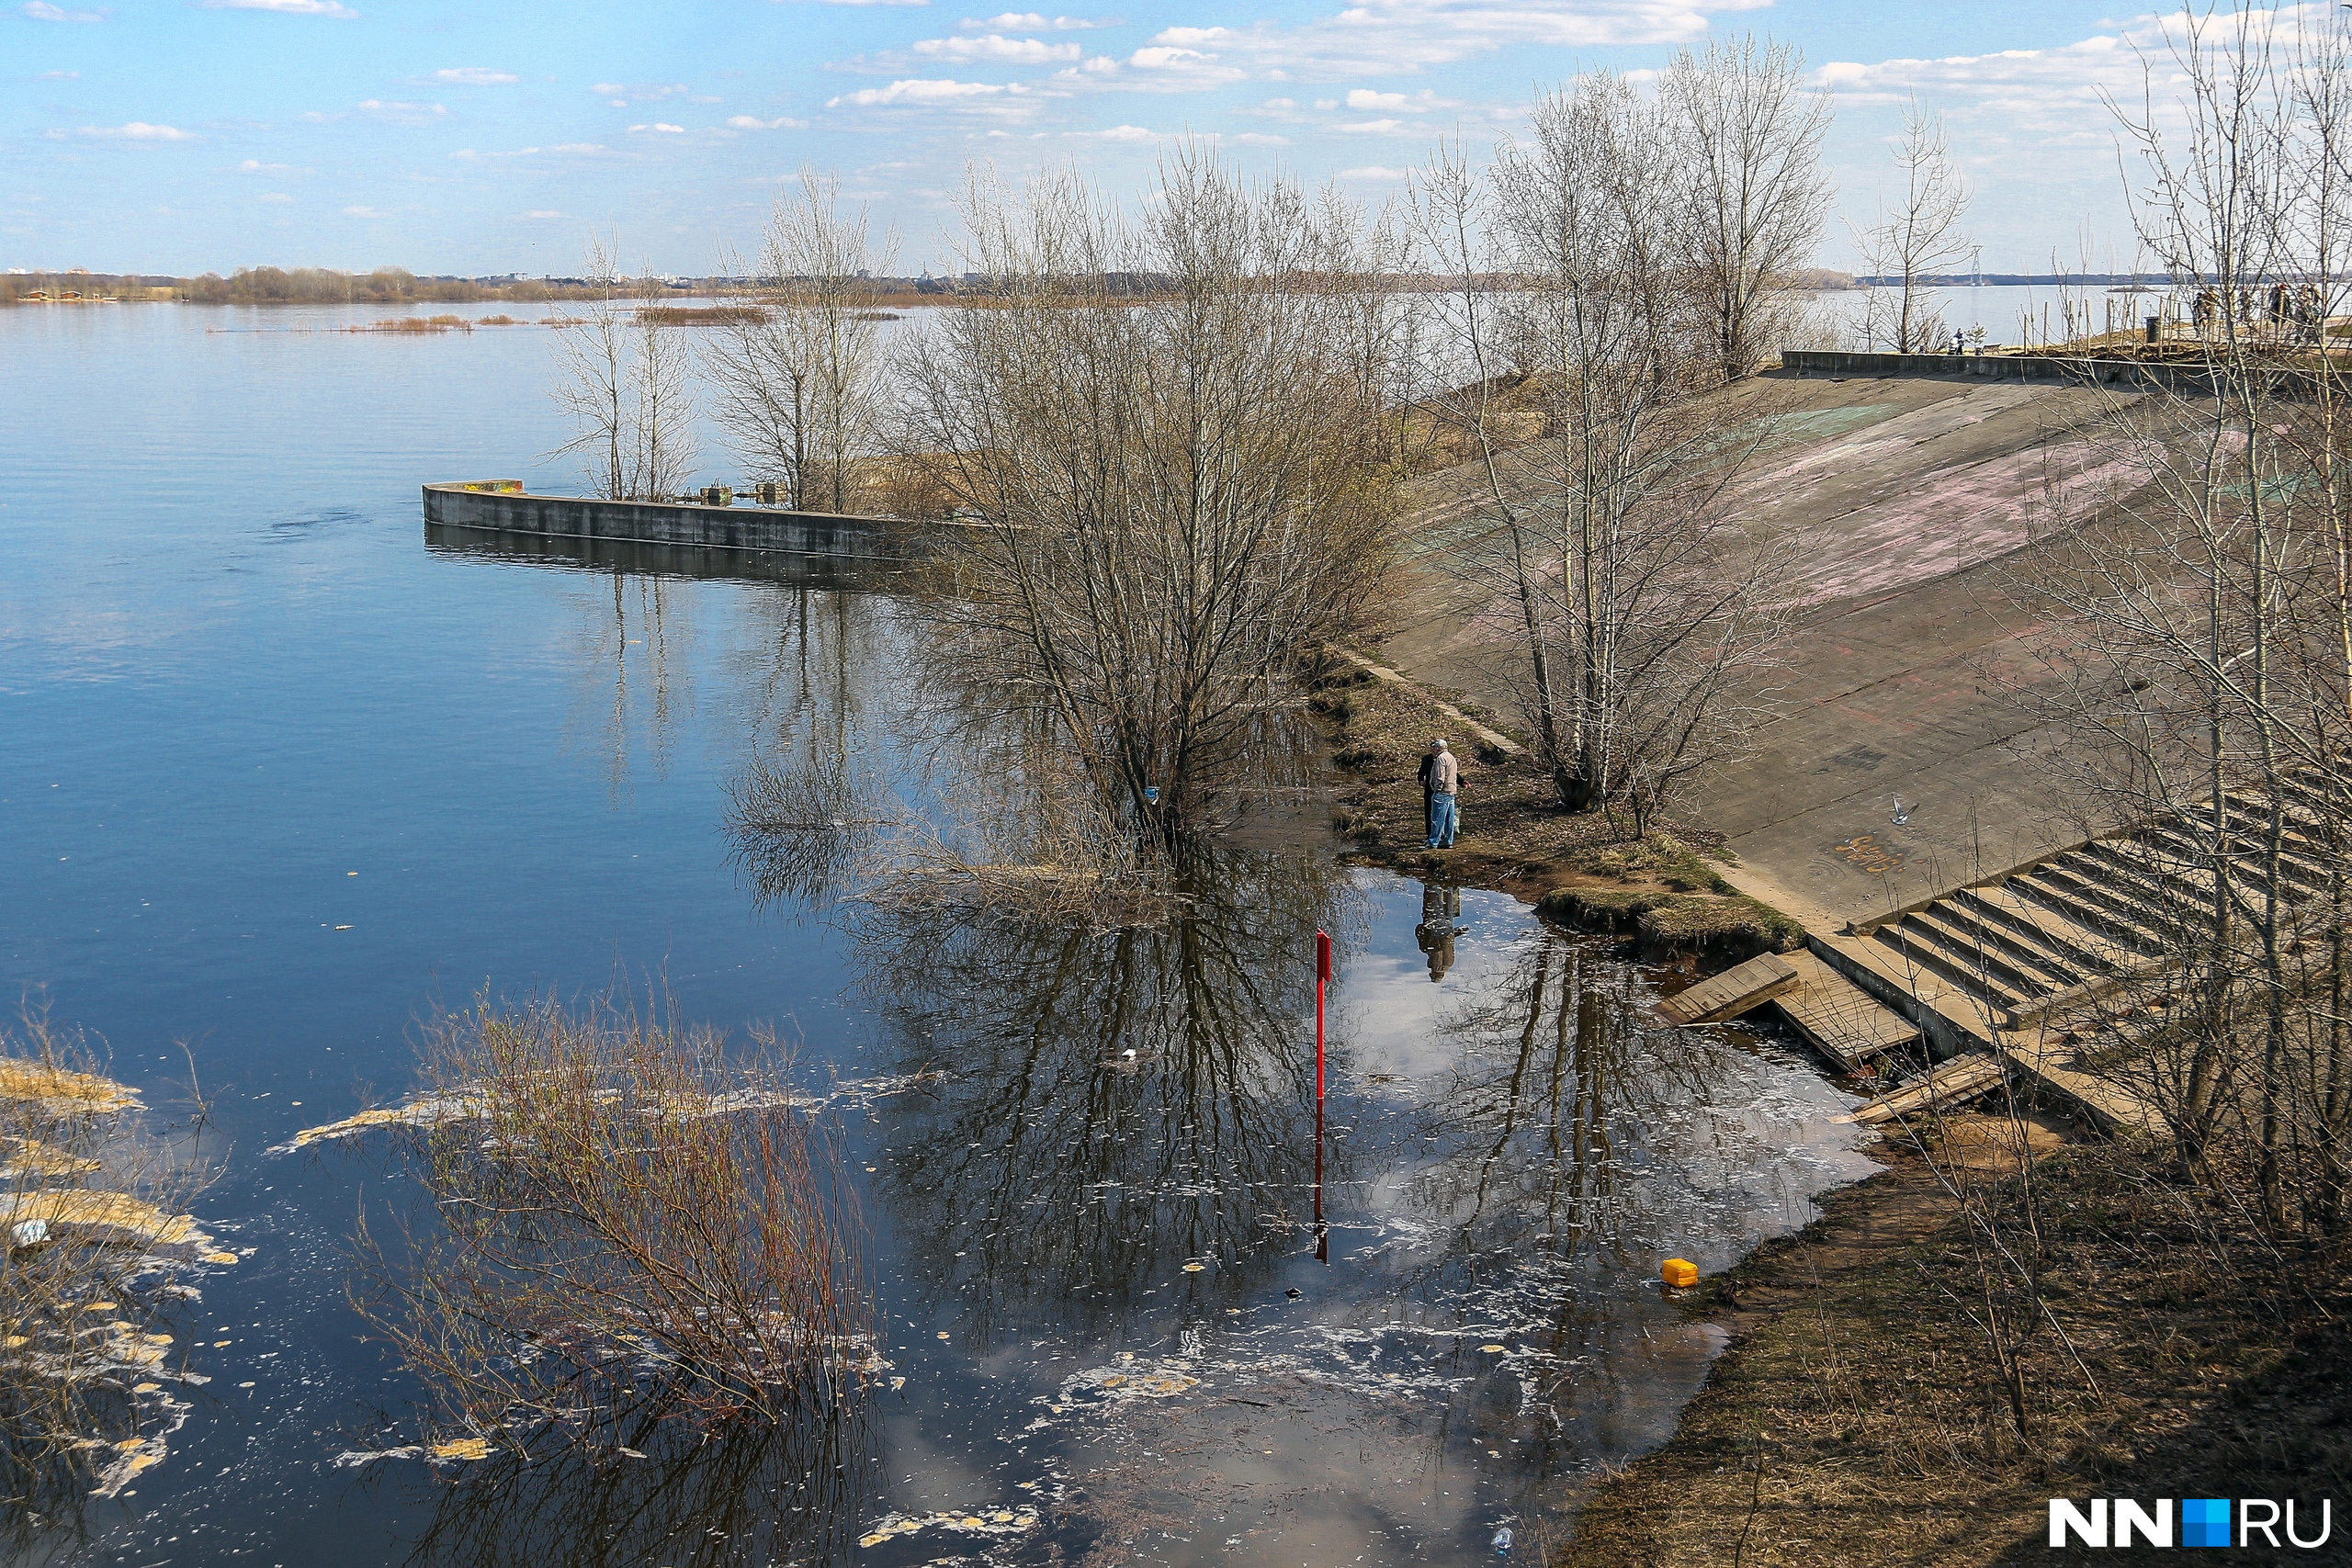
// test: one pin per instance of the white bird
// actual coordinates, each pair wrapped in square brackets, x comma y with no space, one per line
[1902,812]
[1128,1055]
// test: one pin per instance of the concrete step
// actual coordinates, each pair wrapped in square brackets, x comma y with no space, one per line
[2092,894]
[1913,942]
[2173,892]
[2090,953]
[2032,964]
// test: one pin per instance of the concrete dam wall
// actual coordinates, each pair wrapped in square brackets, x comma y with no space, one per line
[501,506]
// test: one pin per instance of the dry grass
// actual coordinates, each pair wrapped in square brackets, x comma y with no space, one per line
[95,1242]
[621,1216]
[700,315]
[416,326]
[1859,1415]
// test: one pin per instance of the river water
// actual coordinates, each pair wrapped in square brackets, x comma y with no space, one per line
[279,777]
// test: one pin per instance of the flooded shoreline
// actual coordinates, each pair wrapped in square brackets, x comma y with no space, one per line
[302,779]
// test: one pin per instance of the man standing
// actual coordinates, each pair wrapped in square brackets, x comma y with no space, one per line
[1428,791]
[1445,783]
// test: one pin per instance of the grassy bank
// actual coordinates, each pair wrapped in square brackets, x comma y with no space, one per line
[2146,1344]
[1860,1415]
[1665,888]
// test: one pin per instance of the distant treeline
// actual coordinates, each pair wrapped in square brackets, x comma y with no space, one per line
[399,286]
[300,286]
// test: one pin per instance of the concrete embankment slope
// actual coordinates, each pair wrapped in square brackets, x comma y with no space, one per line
[1911,674]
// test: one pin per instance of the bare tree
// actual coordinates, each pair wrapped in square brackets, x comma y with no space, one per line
[799,371]
[662,415]
[2204,657]
[1636,605]
[1747,134]
[593,378]
[622,380]
[1167,464]
[1917,237]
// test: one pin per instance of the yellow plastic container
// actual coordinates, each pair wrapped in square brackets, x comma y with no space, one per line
[1679,1273]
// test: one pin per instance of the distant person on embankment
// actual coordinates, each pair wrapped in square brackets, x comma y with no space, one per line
[1428,791]
[1445,783]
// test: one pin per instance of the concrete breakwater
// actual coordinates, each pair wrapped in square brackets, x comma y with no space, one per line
[502,506]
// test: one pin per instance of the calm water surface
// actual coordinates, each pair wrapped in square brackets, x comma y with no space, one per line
[278,778]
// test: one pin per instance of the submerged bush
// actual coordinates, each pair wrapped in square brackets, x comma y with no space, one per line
[625,1215]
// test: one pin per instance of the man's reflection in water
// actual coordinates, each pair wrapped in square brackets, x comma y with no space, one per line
[1437,930]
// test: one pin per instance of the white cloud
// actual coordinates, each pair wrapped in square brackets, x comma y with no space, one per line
[1376,38]
[660,128]
[1033,22]
[579,147]
[42,11]
[1122,133]
[1363,99]
[255,167]
[474,76]
[871,2]
[1375,172]
[623,94]
[1260,139]
[61,76]
[997,48]
[919,91]
[139,130]
[361,212]
[284,7]
[402,113]
[276,199]
[753,122]
[1375,127]
[543,213]
[470,155]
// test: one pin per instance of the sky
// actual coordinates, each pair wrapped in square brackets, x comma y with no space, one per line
[462,135]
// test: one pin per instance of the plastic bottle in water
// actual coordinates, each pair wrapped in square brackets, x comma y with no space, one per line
[1502,1541]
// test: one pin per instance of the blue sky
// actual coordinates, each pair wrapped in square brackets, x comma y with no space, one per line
[474,138]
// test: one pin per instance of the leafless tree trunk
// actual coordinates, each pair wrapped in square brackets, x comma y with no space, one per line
[1916,238]
[800,370]
[1747,135]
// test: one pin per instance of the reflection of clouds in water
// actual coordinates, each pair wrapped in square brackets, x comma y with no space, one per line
[1509,1155]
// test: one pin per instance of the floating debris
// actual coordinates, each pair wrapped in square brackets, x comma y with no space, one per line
[67,1093]
[107,1214]
[1019,1520]
[434,1110]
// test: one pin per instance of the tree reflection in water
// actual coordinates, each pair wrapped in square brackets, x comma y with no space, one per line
[1573,1143]
[1051,1173]
[749,1494]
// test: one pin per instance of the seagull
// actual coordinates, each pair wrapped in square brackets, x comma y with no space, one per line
[1902,812]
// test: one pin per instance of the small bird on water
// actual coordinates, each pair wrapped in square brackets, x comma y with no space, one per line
[1902,812]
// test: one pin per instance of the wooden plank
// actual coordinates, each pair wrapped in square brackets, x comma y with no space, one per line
[1841,1020]
[1956,1079]
[1731,993]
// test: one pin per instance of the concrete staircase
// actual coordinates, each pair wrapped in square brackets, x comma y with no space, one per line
[2058,931]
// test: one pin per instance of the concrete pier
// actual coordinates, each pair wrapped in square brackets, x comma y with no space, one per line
[502,506]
